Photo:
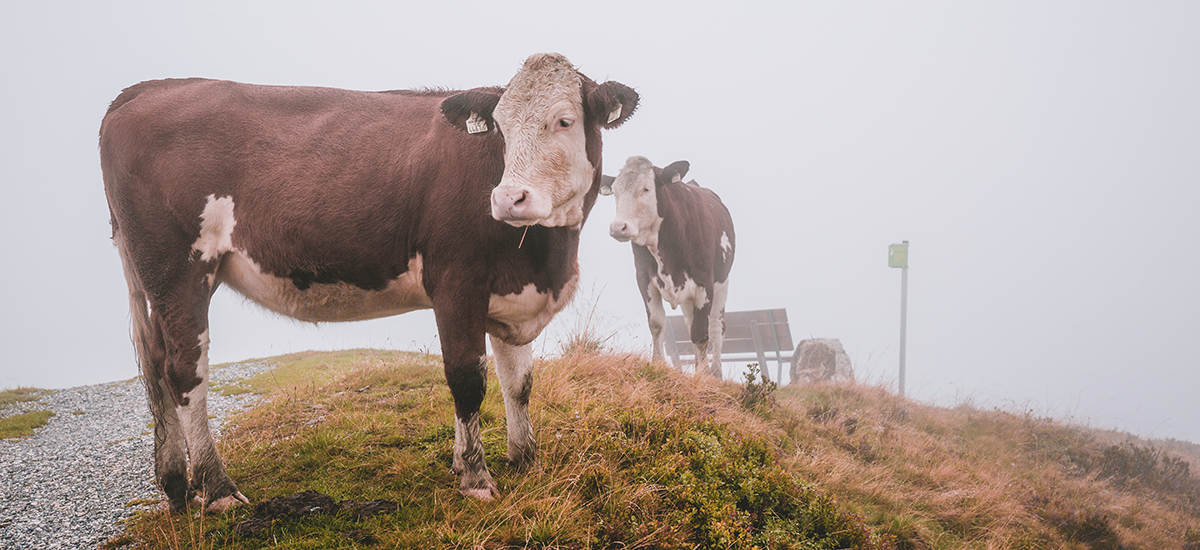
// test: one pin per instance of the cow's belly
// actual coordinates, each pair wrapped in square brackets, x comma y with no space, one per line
[678,293]
[688,293]
[518,318]
[324,302]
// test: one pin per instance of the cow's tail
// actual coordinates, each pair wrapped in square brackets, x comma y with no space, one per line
[142,333]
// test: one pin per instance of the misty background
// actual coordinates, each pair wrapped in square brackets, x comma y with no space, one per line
[1043,160]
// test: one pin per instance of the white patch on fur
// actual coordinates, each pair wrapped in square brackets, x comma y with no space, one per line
[324,302]
[688,293]
[519,317]
[216,228]
[726,246]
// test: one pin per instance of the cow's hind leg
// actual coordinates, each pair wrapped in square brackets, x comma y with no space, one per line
[514,368]
[182,323]
[208,472]
[698,326]
[716,327]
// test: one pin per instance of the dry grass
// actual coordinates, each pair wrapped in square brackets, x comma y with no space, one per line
[19,395]
[965,478]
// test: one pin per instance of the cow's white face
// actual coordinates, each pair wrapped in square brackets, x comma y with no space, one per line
[637,216]
[546,169]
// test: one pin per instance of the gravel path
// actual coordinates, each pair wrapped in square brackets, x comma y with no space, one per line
[69,484]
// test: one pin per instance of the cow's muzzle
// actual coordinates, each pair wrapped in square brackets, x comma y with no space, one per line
[516,206]
[622,231]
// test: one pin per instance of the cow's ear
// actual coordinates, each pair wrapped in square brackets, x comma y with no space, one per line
[612,103]
[674,172]
[606,185]
[471,111]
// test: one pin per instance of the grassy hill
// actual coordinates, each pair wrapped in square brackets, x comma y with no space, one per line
[634,455]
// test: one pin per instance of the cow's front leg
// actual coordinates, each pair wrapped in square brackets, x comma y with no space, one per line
[514,368]
[656,317]
[461,331]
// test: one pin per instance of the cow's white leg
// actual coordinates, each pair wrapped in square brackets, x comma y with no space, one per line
[702,363]
[514,368]
[656,317]
[716,326]
[208,474]
[689,317]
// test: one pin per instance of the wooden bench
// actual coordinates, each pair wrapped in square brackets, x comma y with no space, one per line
[760,335]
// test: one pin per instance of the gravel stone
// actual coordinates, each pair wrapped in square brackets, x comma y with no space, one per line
[92,465]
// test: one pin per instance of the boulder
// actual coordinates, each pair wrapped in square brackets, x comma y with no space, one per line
[820,360]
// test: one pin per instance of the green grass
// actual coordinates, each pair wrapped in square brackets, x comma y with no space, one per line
[634,455]
[22,425]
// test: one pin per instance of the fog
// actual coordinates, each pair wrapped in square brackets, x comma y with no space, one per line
[1042,159]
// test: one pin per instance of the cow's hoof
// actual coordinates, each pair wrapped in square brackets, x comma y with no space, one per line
[523,457]
[193,503]
[221,505]
[484,493]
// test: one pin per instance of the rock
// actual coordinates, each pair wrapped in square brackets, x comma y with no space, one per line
[820,360]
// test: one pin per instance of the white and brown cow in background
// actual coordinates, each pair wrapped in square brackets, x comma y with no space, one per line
[334,205]
[683,245]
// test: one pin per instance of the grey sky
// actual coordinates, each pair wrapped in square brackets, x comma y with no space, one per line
[1042,158]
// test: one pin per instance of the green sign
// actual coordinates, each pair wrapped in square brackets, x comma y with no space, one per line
[898,255]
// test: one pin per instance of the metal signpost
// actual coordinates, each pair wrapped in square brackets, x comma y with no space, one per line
[898,257]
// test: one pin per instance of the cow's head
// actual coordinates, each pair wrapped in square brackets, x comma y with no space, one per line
[550,116]
[636,190]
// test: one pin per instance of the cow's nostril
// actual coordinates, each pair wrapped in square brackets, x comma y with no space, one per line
[520,200]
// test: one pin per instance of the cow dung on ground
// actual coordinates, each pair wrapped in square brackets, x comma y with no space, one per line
[820,360]
[310,503]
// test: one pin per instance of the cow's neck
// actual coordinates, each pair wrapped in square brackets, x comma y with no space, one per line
[649,237]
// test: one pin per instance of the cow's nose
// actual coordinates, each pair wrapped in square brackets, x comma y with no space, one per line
[620,230]
[511,203]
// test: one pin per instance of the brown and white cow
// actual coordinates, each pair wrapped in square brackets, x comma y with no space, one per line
[334,205]
[683,243]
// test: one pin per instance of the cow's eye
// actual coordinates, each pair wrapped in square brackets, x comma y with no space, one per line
[564,123]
